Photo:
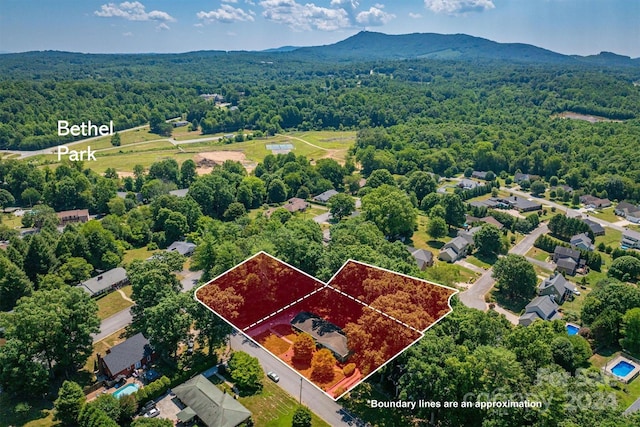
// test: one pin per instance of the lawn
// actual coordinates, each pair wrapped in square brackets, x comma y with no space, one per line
[140,253]
[538,254]
[575,306]
[611,238]
[39,413]
[111,304]
[472,259]
[331,140]
[10,220]
[606,214]
[273,407]
[466,275]
[628,392]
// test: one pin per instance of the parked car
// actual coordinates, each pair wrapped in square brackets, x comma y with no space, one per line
[153,412]
[273,376]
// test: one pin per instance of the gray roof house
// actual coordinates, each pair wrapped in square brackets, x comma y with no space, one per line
[522,204]
[105,282]
[325,333]
[594,202]
[123,358]
[324,197]
[183,248]
[542,307]
[179,193]
[423,257]
[211,405]
[479,174]
[629,211]
[631,239]
[582,241]
[519,177]
[469,184]
[566,259]
[597,229]
[556,286]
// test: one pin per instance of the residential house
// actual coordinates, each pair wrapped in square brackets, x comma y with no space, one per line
[519,177]
[630,239]
[458,247]
[183,248]
[469,184]
[594,202]
[596,228]
[582,241]
[521,204]
[567,260]
[179,193]
[628,211]
[479,175]
[123,358]
[180,123]
[73,216]
[105,282]
[487,220]
[324,197]
[557,287]
[325,333]
[296,204]
[540,308]
[423,257]
[206,402]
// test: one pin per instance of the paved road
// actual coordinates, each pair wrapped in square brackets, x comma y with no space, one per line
[474,296]
[323,406]
[123,318]
[113,324]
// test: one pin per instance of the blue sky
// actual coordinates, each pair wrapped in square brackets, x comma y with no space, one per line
[567,26]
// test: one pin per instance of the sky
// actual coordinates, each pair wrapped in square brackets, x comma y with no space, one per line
[581,27]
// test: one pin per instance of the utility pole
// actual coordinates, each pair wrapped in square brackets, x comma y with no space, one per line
[301,391]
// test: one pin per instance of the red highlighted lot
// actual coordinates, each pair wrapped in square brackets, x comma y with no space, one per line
[364,317]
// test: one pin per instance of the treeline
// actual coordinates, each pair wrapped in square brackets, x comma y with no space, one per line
[564,228]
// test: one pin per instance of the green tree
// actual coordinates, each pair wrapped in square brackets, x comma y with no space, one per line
[380,177]
[437,227]
[14,284]
[188,173]
[167,324]
[151,422]
[69,403]
[115,140]
[516,276]
[108,404]
[488,240]
[117,206]
[341,206]
[75,270]
[39,258]
[30,196]
[538,188]
[630,331]
[234,211]
[303,348]
[301,417]
[454,210]
[6,199]
[277,192]
[390,209]
[246,372]
[20,373]
[626,268]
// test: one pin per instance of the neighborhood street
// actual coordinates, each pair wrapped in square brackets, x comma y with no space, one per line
[319,403]
[474,296]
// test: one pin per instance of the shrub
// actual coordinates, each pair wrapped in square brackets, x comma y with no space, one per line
[349,370]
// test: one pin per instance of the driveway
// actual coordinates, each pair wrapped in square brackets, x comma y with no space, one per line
[190,279]
[319,403]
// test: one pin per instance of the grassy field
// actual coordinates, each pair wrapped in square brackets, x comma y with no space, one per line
[112,303]
[606,214]
[10,220]
[140,253]
[39,413]
[538,254]
[611,238]
[273,407]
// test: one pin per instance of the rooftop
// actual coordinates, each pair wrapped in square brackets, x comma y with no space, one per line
[127,353]
[103,281]
[323,332]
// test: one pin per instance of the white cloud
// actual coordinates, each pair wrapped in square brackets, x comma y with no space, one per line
[132,11]
[415,15]
[227,14]
[353,3]
[375,16]
[162,27]
[229,1]
[305,17]
[455,7]
[127,34]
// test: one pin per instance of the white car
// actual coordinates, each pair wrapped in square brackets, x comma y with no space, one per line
[273,376]
[153,412]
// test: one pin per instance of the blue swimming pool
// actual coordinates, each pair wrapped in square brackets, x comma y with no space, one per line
[622,369]
[126,390]
[572,329]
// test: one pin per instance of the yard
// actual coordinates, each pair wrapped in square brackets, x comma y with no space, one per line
[538,254]
[35,413]
[606,214]
[101,347]
[113,303]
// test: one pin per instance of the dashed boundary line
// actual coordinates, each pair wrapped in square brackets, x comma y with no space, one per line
[269,316]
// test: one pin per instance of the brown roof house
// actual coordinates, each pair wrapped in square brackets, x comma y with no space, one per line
[122,359]
[69,217]
[325,333]
[295,204]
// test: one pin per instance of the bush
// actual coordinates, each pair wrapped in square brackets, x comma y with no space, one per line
[349,370]
[153,390]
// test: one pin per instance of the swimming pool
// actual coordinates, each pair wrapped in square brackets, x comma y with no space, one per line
[126,390]
[572,329]
[622,369]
